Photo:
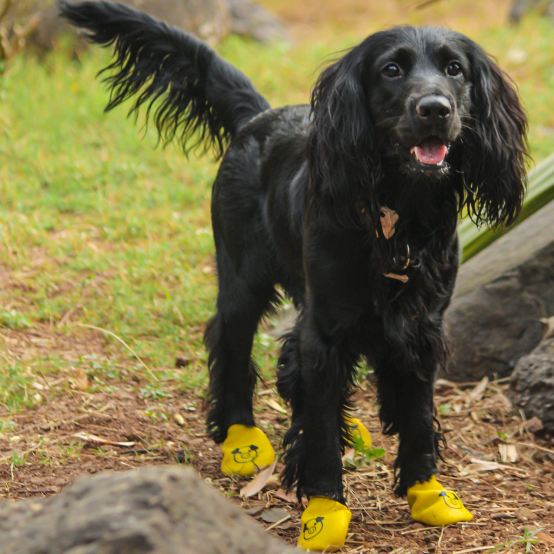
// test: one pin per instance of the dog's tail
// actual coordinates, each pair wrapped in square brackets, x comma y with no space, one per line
[196,93]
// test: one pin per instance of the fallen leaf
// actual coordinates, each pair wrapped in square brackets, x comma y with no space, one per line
[484,465]
[286,496]
[388,221]
[275,405]
[259,482]
[477,393]
[350,453]
[179,419]
[544,536]
[93,438]
[289,497]
[549,327]
[508,453]
[533,425]
[274,515]
[80,379]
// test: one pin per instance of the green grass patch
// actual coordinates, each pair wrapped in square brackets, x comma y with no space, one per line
[99,227]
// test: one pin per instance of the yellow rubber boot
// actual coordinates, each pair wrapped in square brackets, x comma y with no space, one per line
[432,504]
[245,450]
[324,525]
[359,430]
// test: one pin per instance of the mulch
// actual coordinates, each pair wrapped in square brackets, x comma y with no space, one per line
[509,499]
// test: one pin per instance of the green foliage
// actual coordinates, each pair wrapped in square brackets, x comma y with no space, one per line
[528,540]
[13,320]
[363,454]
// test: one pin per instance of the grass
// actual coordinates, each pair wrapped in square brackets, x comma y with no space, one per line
[99,228]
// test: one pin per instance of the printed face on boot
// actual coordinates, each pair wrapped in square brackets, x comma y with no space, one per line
[312,528]
[245,454]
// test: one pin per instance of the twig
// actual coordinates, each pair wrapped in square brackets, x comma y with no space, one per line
[535,446]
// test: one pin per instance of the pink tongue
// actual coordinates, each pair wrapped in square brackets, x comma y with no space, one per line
[431,151]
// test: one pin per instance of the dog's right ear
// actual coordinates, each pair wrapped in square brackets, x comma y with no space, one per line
[343,160]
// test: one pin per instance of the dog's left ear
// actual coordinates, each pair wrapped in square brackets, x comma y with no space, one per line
[495,144]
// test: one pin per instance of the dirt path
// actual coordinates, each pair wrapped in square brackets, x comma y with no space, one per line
[41,454]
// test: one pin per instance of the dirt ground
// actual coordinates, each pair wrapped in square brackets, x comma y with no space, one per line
[60,439]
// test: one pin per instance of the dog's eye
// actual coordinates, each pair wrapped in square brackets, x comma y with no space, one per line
[454,68]
[391,70]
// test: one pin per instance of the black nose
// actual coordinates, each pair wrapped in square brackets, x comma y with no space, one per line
[431,108]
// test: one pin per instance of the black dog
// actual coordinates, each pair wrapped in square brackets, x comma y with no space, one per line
[350,205]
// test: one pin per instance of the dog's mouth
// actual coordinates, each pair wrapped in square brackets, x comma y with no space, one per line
[430,153]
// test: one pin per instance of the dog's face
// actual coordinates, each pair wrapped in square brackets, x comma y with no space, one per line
[418,90]
[427,103]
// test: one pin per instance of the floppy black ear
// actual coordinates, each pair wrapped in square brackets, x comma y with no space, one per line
[495,144]
[344,164]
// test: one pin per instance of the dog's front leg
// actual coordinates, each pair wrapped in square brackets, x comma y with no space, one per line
[326,376]
[315,376]
[407,408]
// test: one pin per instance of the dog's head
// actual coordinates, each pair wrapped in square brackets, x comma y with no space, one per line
[429,103]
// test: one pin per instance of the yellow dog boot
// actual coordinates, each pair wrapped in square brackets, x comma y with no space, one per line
[245,450]
[359,431]
[432,504]
[324,525]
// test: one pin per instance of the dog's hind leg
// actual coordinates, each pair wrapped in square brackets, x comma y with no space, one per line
[243,298]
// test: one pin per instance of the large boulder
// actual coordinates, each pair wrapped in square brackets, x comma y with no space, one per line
[211,20]
[533,384]
[156,510]
[207,19]
[501,296]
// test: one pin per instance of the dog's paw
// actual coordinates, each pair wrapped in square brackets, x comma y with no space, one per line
[359,431]
[245,450]
[324,525]
[432,504]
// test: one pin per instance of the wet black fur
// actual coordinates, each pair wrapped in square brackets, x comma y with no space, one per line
[296,203]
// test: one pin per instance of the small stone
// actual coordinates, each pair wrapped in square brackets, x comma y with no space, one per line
[431,538]
[182,361]
[256,511]
[525,513]
[181,457]
[274,515]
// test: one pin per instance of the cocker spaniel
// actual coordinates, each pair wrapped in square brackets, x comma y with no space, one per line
[349,205]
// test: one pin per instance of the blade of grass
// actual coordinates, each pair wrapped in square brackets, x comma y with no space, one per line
[124,344]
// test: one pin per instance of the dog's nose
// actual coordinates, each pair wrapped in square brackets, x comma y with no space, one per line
[433,107]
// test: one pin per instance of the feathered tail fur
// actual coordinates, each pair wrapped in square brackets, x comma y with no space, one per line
[194,93]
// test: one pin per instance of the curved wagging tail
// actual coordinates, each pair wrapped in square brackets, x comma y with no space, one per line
[193,88]
[350,205]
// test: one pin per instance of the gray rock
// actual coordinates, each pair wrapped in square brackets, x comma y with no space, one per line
[156,510]
[533,384]
[254,21]
[208,19]
[501,296]
[211,20]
